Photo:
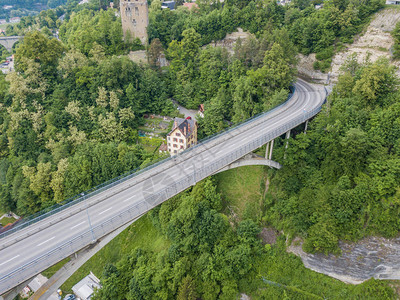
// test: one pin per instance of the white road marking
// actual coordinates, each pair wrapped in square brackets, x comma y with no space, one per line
[105,211]
[46,241]
[9,260]
[127,199]
[77,225]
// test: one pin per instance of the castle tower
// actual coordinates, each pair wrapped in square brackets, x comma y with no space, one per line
[135,18]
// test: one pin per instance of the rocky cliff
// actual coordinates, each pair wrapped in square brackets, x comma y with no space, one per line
[374,42]
[370,257]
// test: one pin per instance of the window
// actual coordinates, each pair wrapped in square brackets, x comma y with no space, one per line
[169,138]
[178,134]
[175,151]
[181,141]
[169,144]
[175,146]
[174,139]
[181,147]
[136,11]
[134,22]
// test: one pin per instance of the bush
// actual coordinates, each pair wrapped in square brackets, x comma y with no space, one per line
[325,54]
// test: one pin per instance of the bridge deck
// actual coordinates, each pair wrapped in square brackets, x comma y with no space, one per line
[35,248]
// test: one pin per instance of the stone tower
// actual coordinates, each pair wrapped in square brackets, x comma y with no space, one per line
[135,18]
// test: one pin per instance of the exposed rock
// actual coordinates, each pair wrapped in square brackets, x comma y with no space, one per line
[370,257]
[230,40]
[375,42]
[305,68]
[244,297]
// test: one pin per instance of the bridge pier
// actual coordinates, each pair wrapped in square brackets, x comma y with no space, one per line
[305,128]
[268,150]
[286,143]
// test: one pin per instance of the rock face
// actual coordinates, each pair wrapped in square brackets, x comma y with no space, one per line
[305,68]
[375,42]
[230,40]
[370,257]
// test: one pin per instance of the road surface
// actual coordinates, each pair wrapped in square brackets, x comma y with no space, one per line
[33,249]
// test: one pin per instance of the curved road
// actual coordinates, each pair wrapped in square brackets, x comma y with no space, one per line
[30,250]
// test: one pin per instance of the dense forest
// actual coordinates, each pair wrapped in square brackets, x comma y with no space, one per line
[72,96]
[342,177]
[69,119]
[210,256]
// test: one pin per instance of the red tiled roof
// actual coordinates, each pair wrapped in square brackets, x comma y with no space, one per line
[190,6]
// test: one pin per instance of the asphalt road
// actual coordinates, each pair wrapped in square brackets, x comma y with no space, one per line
[28,251]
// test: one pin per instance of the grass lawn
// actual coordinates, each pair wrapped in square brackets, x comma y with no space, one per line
[242,190]
[149,148]
[53,269]
[141,234]
[4,221]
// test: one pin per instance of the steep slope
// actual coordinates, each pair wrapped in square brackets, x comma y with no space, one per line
[374,42]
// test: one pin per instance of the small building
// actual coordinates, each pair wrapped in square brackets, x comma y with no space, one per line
[182,136]
[394,2]
[37,282]
[163,148]
[15,20]
[84,289]
[168,4]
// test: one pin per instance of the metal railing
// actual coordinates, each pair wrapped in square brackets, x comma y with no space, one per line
[68,248]
[150,201]
[126,176]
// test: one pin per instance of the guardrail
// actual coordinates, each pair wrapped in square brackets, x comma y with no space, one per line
[126,176]
[68,248]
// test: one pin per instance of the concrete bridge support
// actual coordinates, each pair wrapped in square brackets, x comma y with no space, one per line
[305,128]
[286,143]
[251,159]
[268,150]
[9,41]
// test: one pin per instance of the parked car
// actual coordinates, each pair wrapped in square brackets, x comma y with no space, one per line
[70,297]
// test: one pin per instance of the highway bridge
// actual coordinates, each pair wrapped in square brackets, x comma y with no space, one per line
[47,240]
